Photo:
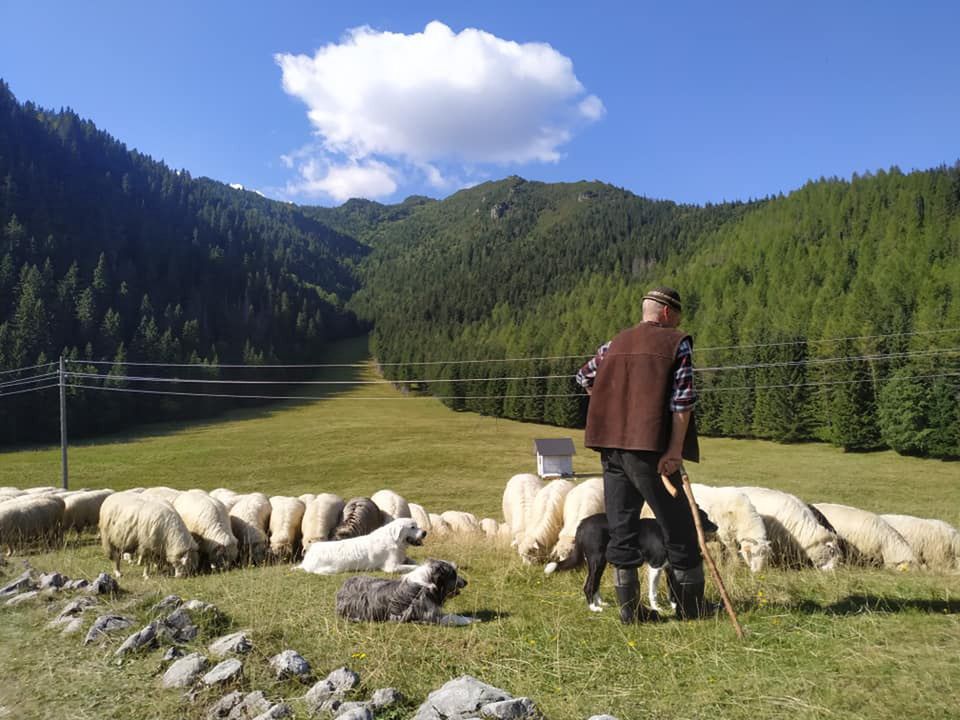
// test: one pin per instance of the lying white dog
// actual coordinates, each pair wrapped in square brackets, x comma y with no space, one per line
[383,549]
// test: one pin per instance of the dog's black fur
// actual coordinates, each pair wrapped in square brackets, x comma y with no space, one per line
[593,536]
[416,597]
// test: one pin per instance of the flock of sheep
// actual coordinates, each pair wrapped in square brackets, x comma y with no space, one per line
[760,525]
[191,530]
[194,530]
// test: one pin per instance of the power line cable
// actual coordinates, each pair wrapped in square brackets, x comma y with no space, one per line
[28,380]
[24,369]
[4,393]
[136,378]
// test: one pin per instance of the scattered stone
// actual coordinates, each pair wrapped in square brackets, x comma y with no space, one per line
[342,680]
[459,699]
[21,598]
[281,710]
[233,644]
[252,705]
[201,606]
[77,584]
[22,583]
[52,580]
[224,672]
[354,711]
[185,671]
[72,627]
[103,585]
[179,626]
[106,624]
[520,708]
[75,607]
[170,602]
[172,653]
[224,705]
[291,664]
[386,697]
[143,638]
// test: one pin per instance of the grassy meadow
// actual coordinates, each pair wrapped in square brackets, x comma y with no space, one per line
[852,643]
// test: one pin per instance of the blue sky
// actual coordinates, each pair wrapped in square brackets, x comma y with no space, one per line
[693,102]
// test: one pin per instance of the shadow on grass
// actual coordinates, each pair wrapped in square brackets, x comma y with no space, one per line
[489,615]
[864,604]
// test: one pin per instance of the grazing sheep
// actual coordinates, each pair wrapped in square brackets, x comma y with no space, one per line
[866,539]
[518,498]
[82,509]
[209,522]
[163,493]
[286,519]
[796,538]
[421,516]
[438,526]
[504,534]
[307,498]
[392,506]
[584,500]
[490,527]
[227,497]
[461,523]
[42,490]
[149,528]
[249,521]
[31,517]
[544,521]
[360,516]
[934,542]
[320,518]
[6,493]
[741,529]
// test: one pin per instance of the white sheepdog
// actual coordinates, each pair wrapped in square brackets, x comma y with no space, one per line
[383,549]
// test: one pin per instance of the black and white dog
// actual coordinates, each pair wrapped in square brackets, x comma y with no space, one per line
[590,544]
[417,597]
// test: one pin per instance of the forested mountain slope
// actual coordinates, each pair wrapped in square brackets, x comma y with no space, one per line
[108,255]
[522,269]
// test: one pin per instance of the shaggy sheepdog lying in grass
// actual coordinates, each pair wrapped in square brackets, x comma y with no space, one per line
[590,545]
[416,597]
[383,549]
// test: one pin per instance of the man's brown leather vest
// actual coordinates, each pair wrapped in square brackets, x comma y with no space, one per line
[630,401]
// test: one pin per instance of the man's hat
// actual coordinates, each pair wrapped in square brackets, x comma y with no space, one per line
[665,296]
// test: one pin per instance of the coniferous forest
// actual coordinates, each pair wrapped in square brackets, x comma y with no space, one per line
[832,313]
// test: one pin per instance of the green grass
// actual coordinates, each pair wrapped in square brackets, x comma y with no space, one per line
[848,644]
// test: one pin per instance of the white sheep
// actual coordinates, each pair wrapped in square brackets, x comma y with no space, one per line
[741,530]
[934,542]
[795,535]
[320,517]
[163,493]
[41,490]
[438,526]
[82,509]
[461,523]
[867,539]
[584,500]
[26,518]
[490,527]
[421,516]
[227,497]
[286,519]
[518,498]
[307,498]
[209,522]
[544,521]
[392,506]
[504,534]
[249,521]
[149,528]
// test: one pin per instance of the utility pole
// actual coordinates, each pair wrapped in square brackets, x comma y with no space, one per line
[63,424]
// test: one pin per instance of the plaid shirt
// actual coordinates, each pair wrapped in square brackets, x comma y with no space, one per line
[683,397]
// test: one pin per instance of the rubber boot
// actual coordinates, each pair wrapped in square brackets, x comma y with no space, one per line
[626,583]
[687,594]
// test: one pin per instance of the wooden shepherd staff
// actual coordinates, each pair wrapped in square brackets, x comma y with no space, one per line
[717,580]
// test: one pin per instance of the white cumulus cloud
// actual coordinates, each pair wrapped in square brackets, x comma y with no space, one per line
[365,178]
[434,102]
